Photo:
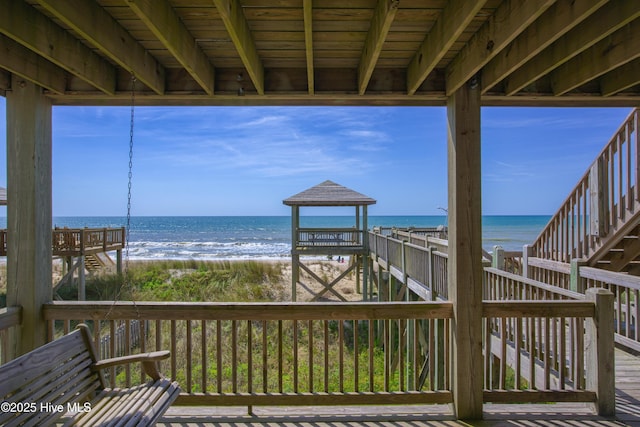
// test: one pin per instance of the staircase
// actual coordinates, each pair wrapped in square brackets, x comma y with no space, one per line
[600,220]
[97,262]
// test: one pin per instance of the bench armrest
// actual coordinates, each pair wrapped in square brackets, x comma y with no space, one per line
[149,362]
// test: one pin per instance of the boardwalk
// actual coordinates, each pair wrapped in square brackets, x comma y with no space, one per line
[560,414]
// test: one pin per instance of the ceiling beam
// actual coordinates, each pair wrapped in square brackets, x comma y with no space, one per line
[380,23]
[606,55]
[238,29]
[27,64]
[507,22]
[453,20]
[36,32]
[93,23]
[5,82]
[611,17]
[621,78]
[161,19]
[553,23]
[307,9]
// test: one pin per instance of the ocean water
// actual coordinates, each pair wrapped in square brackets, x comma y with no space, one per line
[269,237]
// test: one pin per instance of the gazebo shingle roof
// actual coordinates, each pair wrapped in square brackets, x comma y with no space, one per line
[328,193]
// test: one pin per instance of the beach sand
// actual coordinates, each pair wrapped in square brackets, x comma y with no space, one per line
[327,270]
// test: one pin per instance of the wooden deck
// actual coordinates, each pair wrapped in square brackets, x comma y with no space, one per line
[559,414]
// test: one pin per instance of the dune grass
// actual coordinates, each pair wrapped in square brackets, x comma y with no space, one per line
[194,281]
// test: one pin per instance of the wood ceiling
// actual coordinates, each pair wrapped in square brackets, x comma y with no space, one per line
[323,52]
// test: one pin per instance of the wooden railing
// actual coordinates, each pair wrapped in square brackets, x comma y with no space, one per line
[545,351]
[626,289]
[283,353]
[334,237]
[10,318]
[79,241]
[422,269]
[355,353]
[576,277]
[602,202]
[527,351]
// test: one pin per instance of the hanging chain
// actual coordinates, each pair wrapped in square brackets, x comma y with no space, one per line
[130,176]
[126,280]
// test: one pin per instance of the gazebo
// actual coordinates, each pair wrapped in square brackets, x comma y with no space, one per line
[351,242]
[460,54]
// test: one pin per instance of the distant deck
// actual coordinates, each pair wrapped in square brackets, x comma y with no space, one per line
[338,241]
[79,241]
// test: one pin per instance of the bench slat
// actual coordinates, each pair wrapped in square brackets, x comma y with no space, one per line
[43,386]
[139,405]
[32,365]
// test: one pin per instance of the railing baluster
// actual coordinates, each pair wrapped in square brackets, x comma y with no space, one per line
[387,354]
[249,357]
[219,355]
[295,356]
[563,353]
[174,353]
[187,324]
[265,359]
[311,364]
[204,346]
[356,358]
[341,355]
[326,356]
[280,360]
[234,357]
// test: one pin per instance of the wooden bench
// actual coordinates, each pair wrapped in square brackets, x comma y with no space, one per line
[62,382]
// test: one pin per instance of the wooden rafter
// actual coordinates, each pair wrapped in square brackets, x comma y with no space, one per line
[27,64]
[606,55]
[508,21]
[161,19]
[307,9]
[611,17]
[620,79]
[56,45]
[455,17]
[238,29]
[382,19]
[554,23]
[5,82]
[104,32]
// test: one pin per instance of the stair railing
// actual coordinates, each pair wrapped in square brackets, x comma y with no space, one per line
[602,201]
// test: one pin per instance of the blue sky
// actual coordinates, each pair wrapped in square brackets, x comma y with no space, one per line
[246,160]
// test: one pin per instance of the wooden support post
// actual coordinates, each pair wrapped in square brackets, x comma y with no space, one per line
[82,284]
[527,252]
[498,258]
[576,284]
[119,262]
[365,256]
[600,363]
[431,272]
[29,211]
[598,196]
[295,258]
[465,250]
